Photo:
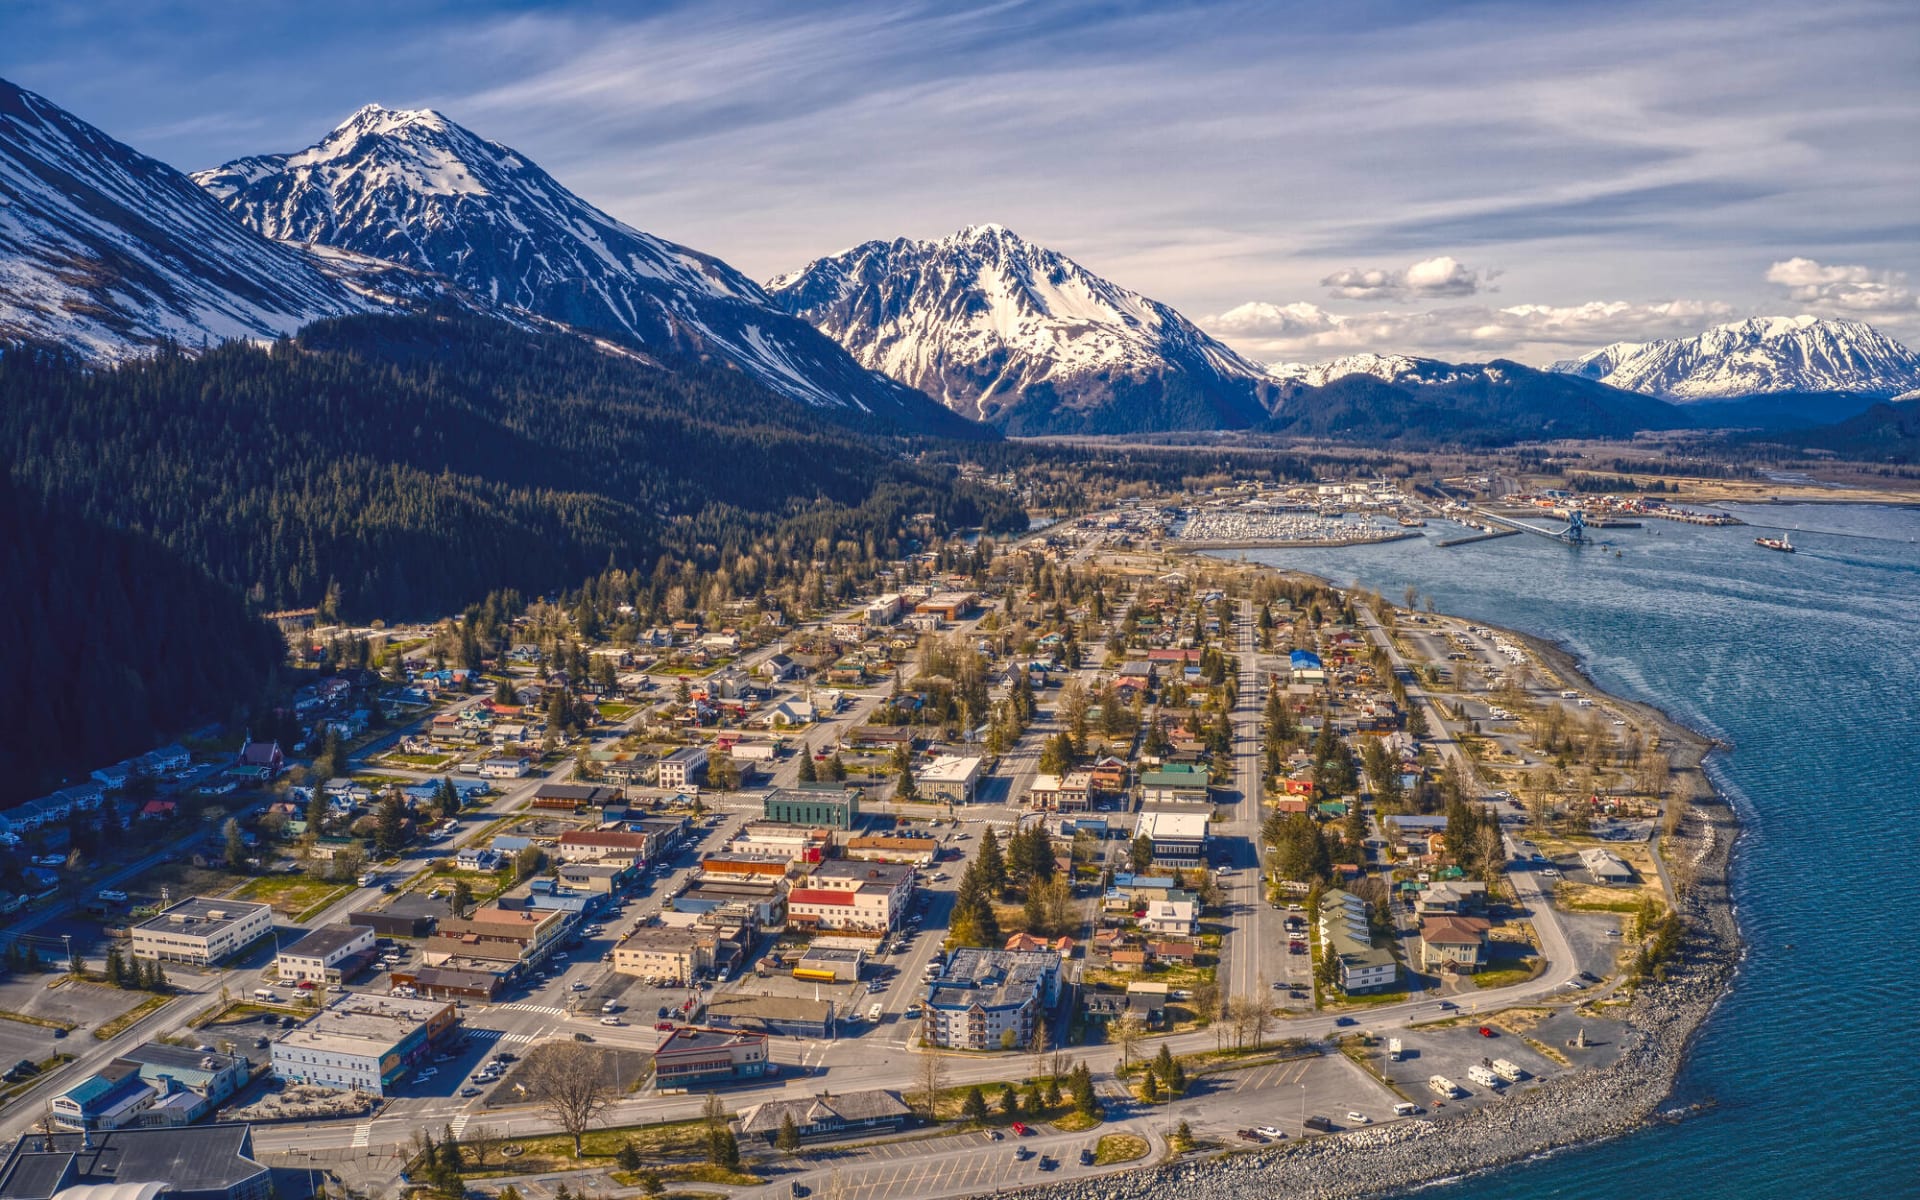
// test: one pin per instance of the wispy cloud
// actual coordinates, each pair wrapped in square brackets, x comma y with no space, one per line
[1203,153]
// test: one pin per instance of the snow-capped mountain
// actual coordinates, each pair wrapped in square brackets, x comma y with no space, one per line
[1393,368]
[1002,330]
[1757,356]
[414,188]
[108,252]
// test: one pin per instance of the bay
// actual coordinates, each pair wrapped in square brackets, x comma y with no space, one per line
[1809,665]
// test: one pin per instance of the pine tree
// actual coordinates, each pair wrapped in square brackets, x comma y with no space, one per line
[1009,1101]
[992,863]
[974,1108]
[809,773]
[629,1157]
[788,1139]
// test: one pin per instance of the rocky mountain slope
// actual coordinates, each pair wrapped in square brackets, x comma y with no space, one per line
[1002,330]
[108,252]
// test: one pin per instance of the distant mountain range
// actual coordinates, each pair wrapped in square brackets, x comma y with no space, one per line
[1004,331]
[109,254]
[1759,356]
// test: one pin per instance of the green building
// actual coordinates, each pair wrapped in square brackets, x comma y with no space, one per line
[824,805]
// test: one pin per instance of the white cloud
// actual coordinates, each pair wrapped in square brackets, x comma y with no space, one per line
[1848,288]
[1428,278]
[1536,332]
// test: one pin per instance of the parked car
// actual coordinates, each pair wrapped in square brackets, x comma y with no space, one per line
[1486,1031]
[1272,1131]
[1086,1156]
[1359,1118]
[1019,1129]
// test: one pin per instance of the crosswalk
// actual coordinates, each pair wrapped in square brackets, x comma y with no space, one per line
[544,1009]
[495,1035]
[459,1124]
[362,1134]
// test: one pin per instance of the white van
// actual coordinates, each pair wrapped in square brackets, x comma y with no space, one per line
[874,1010]
[267,994]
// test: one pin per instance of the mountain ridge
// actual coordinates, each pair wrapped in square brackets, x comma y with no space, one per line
[413,187]
[1004,330]
[1756,356]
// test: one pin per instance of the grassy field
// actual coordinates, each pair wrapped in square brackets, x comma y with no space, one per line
[293,895]
[543,1153]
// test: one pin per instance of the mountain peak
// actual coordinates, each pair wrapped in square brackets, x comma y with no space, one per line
[375,118]
[1755,356]
[413,188]
[1006,330]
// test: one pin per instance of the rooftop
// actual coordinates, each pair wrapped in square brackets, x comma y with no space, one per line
[994,978]
[321,942]
[204,916]
[1156,825]
[199,1158]
[692,1041]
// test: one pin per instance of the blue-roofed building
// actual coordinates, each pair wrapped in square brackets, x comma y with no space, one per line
[104,1101]
[1306,667]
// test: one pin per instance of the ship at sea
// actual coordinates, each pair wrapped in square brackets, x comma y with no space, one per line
[1782,543]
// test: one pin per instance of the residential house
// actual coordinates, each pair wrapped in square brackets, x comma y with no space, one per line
[1452,943]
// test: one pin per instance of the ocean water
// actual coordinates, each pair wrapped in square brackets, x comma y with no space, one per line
[1809,664]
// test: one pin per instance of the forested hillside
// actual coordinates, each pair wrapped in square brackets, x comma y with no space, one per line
[413,464]
[111,642]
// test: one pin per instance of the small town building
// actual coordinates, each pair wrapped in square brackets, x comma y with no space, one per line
[665,952]
[826,1116]
[826,806]
[949,779]
[786,1016]
[319,956]
[988,999]
[689,1057]
[363,1043]
[685,767]
[202,1162]
[202,931]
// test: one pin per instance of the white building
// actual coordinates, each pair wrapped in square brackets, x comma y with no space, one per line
[949,779]
[506,768]
[363,1043]
[316,958]
[684,767]
[202,930]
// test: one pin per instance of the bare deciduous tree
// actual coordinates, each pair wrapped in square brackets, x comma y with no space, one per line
[1127,1032]
[567,1080]
[933,1073]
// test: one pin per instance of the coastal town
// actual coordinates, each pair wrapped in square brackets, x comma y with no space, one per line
[1052,860]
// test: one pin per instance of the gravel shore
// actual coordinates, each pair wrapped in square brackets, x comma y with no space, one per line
[1565,1110]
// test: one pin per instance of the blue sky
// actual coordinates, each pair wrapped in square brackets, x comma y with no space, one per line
[1465,180]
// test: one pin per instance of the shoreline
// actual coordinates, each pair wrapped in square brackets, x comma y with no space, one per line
[1564,1112]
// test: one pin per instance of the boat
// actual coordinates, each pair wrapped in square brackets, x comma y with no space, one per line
[1783,543]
